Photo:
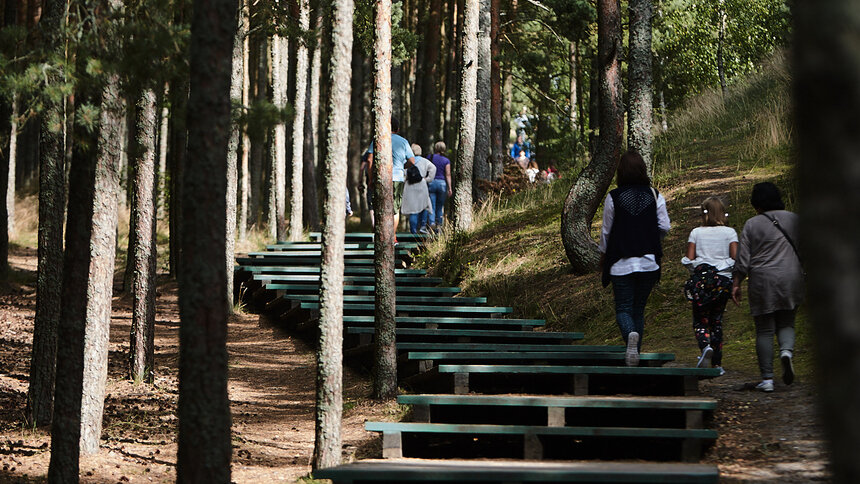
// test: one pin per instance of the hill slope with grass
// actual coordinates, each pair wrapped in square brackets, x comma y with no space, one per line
[716,146]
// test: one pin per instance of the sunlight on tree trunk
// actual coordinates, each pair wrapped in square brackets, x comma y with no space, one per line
[297,198]
[236,85]
[483,116]
[468,96]
[277,171]
[641,91]
[10,180]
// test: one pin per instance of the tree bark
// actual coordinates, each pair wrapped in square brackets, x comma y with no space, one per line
[178,156]
[640,110]
[10,180]
[468,96]
[329,395]
[574,90]
[277,172]
[143,284]
[498,144]
[237,68]
[52,205]
[587,192]
[162,152]
[385,353]
[245,180]
[721,39]
[483,116]
[430,74]
[259,138]
[297,197]
[826,78]
[204,408]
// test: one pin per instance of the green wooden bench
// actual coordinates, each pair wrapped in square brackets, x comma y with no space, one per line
[426,359]
[533,448]
[314,288]
[516,472]
[398,280]
[434,322]
[348,270]
[367,298]
[579,380]
[364,335]
[347,254]
[404,309]
[297,261]
[368,237]
[346,246]
[506,347]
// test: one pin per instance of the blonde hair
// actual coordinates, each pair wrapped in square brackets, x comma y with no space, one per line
[713,212]
[416,149]
[440,147]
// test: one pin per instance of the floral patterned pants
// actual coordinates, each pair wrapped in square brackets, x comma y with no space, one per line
[708,325]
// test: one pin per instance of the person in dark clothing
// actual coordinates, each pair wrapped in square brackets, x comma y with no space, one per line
[634,221]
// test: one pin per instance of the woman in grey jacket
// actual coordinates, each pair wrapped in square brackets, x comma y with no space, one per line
[768,257]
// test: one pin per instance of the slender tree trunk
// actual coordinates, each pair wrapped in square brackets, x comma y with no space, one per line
[594,103]
[52,204]
[385,353]
[277,172]
[498,144]
[508,82]
[640,110]
[466,145]
[329,398]
[721,40]
[297,180]
[453,83]
[178,155]
[236,84]
[587,192]
[245,181]
[204,407]
[664,115]
[315,81]
[357,126]
[259,139]
[13,153]
[826,78]
[143,284]
[430,75]
[483,116]
[574,89]
[162,152]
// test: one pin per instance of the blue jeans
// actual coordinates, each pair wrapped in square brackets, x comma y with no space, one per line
[438,194]
[631,295]
[418,220]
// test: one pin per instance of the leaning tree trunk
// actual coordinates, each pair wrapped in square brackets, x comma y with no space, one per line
[640,81]
[385,353]
[587,192]
[827,97]
[52,205]
[468,97]
[13,153]
[237,64]
[329,396]
[296,182]
[144,204]
[278,169]
[204,407]
[483,118]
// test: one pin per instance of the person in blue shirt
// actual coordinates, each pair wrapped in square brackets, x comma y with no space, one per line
[402,158]
[521,145]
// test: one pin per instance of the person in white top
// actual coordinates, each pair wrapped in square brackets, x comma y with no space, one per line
[713,244]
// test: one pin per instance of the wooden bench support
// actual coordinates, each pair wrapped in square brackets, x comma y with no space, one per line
[392,445]
[555,417]
[421,413]
[532,447]
[691,385]
[461,383]
[580,384]
[424,365]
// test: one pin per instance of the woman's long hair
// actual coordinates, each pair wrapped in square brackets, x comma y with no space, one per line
[632,170]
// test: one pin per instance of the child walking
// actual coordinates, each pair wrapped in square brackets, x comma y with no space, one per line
[711,252]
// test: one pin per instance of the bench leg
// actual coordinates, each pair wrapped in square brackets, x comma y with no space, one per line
[695,419]
[421,413]
[691,385]
[461,383]
[532,448]
[580,384]
[392,445]
[555,417]
[424,365]
[691,450]
[432,325]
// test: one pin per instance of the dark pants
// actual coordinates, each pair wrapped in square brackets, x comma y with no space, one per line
[708,325]
[631,295]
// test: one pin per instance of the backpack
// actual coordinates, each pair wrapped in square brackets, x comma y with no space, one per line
[413,175]
[706,286]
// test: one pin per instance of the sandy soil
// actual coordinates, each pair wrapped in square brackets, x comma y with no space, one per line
[763,438]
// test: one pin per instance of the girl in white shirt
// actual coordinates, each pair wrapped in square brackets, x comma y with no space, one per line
[714,244]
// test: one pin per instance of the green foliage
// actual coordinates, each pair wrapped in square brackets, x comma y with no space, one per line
[403,41]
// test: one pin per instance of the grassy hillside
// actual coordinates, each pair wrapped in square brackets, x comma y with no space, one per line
[514,254]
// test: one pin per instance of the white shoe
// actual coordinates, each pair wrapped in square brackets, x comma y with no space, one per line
[787,367]
[705,359]
[631,357]
[722,371]
[765,386]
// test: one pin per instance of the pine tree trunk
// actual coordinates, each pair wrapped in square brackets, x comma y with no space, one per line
[385,353]
[236,83]
[329,395]
[454,76]
[357,126]
[277,172]
[245,180]
[587,192]
[10,181]
[593,107]
[574,102]
[259,139]
[52,205]
[178,156]
[430,74]
[468,96]
[297,180]
[143,283]
[204,407]
[721,39]
[640,110]
[164,133]
[826,78]
[498,144]
[315,81]
[483,118]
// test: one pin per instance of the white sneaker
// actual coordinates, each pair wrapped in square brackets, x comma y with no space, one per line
[722,371]
[765,386]
[631,357]
[787,367]
[705,359]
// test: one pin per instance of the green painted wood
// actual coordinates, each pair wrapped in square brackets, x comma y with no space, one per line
[425,308]
[487,429]
[495,471]
[367,237]
[659,403]
[352,288]
[474,332]
[591,370]
[347,246]
[286,254]
[247,261]
[443,320]
[316,270]
[361,298]
[532,355]
[407,346]
[399,280]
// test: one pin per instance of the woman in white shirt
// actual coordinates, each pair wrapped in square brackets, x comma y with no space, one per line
[716,245]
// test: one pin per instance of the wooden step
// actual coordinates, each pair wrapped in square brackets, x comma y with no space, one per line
[364,335]
[296,261]
[516,472]
[368,237]
[432,322]
[535,357]
[368,298]
[420,309]
[359,288]
[346,246]
[347,254]
[360,279]
[349,270]
[402,346]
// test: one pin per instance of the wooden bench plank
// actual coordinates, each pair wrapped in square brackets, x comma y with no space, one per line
[347,254]
[399,280]
[591,370]
[347,246]
[407,346]
[445,320]
[367,298]
[245,261]
[316,270]
[358,288]
[533,355]
[487,429]
[489,472]
[475,332]
[663,403]
[368,237]
[422,309]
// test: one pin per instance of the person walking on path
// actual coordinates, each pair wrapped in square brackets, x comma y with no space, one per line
[440,187]
[402,158]
[768,256]
[710,257]
[634,221]
[416,197]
